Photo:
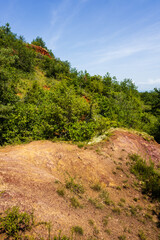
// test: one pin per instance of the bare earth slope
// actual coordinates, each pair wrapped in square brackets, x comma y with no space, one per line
[31,174]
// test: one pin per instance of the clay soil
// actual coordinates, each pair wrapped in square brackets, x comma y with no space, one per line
[33,175]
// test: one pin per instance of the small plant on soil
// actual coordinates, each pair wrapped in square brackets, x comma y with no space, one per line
[149,176]
[116,210]
[108,231]
[95,202]
[141,235]
[122,200]
[77,230]
[13,222]
[105,221]
[95,230]
[122,237]
[59,237]
[75,203]
[96,187]
[61,192]
[104,195]
[74,186]
[91,222]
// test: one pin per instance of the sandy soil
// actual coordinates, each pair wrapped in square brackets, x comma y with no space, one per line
[31,174]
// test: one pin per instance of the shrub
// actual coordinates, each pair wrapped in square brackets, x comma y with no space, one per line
[96,187]
[75,187]
[77,230]
[146,173]
[75,203]
[13,223]
[61,192]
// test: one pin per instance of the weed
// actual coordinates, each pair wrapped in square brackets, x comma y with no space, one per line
[120,204]
[105,196]
[116,210]
[125,181]
[118,188]
[119,168]
[75,187]
[125,186]
[108,231]
[133,210]
[122,237]
[96,203]
[96,187]
[141,235]
[77,230]
[122,200]
[91,222]
[80,145]
[75,203]
[148,216]
[14,223]
[147,174]
[95,230]
[135,199]
[57,181]
[61,192]
[105,221]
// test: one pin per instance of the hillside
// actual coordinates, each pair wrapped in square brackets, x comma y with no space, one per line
[90,187]
[44,98]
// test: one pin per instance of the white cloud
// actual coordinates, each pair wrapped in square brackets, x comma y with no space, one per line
[151,81]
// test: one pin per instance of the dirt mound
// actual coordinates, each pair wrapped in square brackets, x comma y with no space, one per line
[34,176]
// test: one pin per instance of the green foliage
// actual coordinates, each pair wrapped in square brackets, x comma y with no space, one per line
[77,230]
[75,187]
[142,235]
[39,42]
[76,106]
[96,187]
[96,203]
[148,174]
[61,192]
[104,195]
[13,223]
[75,203]
[122,237]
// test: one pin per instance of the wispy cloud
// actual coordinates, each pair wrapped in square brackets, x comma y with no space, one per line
[62,17]
[151,82]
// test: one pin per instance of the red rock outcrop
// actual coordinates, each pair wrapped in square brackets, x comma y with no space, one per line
[39,49]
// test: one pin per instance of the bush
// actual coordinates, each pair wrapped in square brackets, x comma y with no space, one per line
[13,223]
[148,174]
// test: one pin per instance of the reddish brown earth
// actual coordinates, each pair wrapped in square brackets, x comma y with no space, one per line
[31,174]
[39,49]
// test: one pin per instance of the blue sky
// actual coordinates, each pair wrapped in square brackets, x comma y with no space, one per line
[121,37]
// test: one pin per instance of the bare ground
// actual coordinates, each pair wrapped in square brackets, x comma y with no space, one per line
[31,174]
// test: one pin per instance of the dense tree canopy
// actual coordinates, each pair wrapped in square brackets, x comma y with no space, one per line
[43,98]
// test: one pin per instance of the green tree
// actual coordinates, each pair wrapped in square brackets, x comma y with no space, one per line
[39,42]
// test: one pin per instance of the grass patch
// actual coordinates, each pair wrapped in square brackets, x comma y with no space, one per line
[95,202]
[75,187]
[61,192]
[96,187]
[75,203]
[105,221]
[147,174]
[104,195]
[116,210]
[77,230]
[142,235]
[122,237]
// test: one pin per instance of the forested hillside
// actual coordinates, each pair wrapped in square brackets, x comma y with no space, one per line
[42,97]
